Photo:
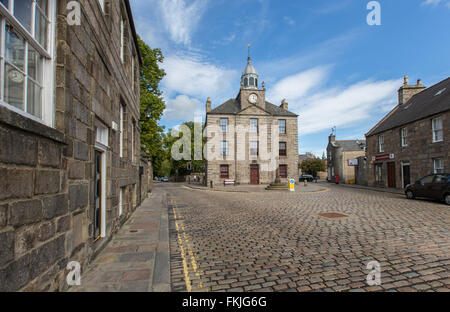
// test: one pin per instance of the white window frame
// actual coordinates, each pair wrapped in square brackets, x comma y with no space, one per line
[257,125]
[121,201]
[438,168]
[251,147]
[435,130]
[224,148]
[381,144]
[122,40]
[122,112]
[404,136]
[47,54]
[279,126]
[226,125]
[133,145]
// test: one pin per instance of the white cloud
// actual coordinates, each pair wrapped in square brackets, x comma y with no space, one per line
[431,2]
[345,107]
[183,108]
[181,19]
[296,86]
[194,77]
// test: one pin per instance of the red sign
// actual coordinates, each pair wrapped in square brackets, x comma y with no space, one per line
[383,157]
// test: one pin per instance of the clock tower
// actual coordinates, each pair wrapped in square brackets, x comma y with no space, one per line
[250,94]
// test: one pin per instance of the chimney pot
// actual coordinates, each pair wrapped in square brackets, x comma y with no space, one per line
[419,82]
[406,78]
[208,105]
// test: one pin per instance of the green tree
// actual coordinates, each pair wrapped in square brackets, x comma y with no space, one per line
[152,103]
[312,166]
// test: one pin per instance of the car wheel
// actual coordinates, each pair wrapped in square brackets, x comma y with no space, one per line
[447,199]
[409,195]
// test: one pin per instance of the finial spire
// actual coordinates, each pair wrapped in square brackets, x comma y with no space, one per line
[249,45]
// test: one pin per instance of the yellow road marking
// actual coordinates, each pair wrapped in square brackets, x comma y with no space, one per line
[185,249]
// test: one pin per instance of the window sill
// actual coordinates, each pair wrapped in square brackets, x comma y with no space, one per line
[16,120]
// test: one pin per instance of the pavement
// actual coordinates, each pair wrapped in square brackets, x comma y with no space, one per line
[137,258]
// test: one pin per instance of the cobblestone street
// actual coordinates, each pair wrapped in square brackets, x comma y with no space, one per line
[263,241]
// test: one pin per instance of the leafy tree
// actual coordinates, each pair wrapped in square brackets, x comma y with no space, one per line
[152,103]
[313,166]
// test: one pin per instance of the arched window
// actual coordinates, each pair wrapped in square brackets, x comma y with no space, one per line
[256,82]
[245,82]
[252,81]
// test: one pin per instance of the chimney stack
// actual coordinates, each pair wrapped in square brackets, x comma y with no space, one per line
[284,105]
[406,92]
[208,105]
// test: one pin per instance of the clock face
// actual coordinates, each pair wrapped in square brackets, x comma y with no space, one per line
[253,98]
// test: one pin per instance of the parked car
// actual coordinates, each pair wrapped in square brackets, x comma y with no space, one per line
[306,177]
[433,186]
[165,179]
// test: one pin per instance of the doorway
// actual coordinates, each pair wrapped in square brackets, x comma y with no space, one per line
[391,175]
[100,195]
[406,174]
[254,174]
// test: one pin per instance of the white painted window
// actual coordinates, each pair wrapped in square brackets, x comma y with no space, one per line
[381,144]
[253,125]
[26,56]
[122,40]
[133,143]
[224,125]
[103,135]
[121,201]
[224,148]
[133,77]
[254,148]
[404,135]
[122,112]
[438,131]
[438,165]
[282,126]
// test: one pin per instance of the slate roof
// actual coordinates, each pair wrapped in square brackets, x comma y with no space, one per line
[351,145]
[432,101]
[232,107]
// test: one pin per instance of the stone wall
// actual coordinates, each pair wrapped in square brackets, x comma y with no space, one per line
[239,169]
[47,196]
[419,153]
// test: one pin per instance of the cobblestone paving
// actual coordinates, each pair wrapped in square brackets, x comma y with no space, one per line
[277,242]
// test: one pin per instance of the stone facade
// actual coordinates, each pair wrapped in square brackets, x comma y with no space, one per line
[251,104]
[339,153]
[48,172]
[402,162]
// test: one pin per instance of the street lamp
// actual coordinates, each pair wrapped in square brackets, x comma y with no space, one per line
[148,114]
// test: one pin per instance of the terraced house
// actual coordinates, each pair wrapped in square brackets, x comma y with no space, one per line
[413,140]
[253,137]
[70,167]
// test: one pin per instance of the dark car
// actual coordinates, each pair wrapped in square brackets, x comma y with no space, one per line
[306,177]
[433,186]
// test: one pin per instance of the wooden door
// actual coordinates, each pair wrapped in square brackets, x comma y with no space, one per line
[254,174]
[391,175]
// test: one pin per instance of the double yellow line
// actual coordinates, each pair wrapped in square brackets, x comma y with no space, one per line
[187,254]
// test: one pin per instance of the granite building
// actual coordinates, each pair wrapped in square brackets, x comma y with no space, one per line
[70,165]
[341,154]
[412,141]
[253,137]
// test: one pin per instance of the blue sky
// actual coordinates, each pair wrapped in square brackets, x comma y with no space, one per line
[322,56]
